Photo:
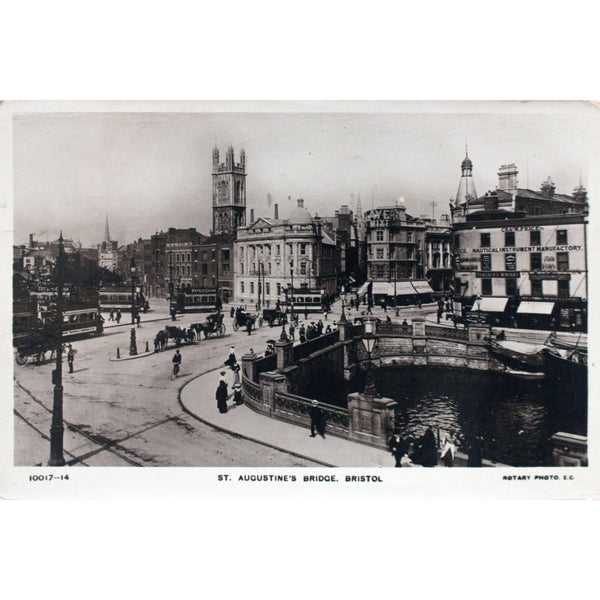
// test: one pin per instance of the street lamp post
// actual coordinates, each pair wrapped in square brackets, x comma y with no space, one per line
[369,341]
[133,270]
[478,300]
[343,297]
[57,428]
[292,276]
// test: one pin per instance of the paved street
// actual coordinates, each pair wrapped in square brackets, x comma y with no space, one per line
[127,413]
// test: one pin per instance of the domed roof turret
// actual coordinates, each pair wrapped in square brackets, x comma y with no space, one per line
[300,215]
[466,163]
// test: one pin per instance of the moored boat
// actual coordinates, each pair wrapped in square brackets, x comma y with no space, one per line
[566,365]
[519,356]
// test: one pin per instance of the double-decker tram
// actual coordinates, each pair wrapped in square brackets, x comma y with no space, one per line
[304,300]
[119,298]
[79,320]
[195,300]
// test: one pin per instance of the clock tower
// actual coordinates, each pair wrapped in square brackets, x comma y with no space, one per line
[229,192]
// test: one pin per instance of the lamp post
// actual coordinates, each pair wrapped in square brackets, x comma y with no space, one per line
[170,278]
[292,276]
[369,341]
[57,428]
[133,270]
[478,300]
[343,297]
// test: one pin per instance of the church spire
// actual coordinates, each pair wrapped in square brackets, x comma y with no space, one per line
[106,231]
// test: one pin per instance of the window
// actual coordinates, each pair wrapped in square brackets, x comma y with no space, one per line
[485,240]
[409,253]
[509,238]
[302,248]
[302,268]
[205,256]
[486,287]
[561,236]
[535,238]
[252,287]
[457,241]
[379,252]
[241,268]
[278,249]
[536,288]
[409,236]
[563,289]
[562,261]
[189,257]
[205,269]
[486,262]
[510,262]
[241,286]
[268,288]
[224,268]
[535,259]
[269,268]
[189,271]
[225,254]
[278,287]
[379,234]
[511,287]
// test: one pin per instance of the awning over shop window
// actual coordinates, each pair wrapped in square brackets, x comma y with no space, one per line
[403,288]
[489,304]
[535,308]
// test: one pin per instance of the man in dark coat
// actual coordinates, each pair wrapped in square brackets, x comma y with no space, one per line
[222,394]
[429,455]
[398,447]
[71,358]
[317,420]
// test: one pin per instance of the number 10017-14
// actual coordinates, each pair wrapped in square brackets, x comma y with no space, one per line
[50,477]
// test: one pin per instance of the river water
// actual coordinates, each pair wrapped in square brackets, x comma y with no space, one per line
[514,417]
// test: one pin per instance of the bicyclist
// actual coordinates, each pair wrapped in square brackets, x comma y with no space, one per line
[176,362]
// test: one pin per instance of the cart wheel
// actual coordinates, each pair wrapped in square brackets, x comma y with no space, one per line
[222,330]
[39,358]
[235,326]
[21,358]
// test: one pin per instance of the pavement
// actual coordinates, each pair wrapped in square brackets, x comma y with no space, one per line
[197,398]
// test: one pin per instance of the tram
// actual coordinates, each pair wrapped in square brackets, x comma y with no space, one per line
[305,300]
[119,298]
[190,300]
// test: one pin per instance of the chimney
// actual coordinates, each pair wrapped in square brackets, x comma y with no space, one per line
[31,242]
[276,212]
[251,215]
[300,203]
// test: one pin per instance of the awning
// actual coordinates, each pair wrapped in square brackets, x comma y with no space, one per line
[403,288]
[535,308]
[490,304]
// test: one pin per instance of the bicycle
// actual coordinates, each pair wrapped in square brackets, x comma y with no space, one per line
[175,371]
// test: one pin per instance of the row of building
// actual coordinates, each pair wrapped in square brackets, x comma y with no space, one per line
[512,244]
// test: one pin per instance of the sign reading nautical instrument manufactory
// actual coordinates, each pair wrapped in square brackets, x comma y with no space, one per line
[498,274]
[547,276]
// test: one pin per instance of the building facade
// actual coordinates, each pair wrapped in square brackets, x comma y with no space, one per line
[523,253]
[279,250]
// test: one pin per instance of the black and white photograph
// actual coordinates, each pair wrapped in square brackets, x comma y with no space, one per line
[369,286]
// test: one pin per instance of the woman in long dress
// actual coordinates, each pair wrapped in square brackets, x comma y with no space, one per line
[222,396]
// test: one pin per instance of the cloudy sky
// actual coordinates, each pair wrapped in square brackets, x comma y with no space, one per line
[152,170]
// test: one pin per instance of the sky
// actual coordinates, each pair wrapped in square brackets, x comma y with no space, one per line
[151,170]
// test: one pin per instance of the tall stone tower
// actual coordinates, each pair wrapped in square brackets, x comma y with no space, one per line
[229,192]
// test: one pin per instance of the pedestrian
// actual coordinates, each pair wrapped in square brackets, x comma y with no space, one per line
[328,330]
[173,313]
[317,420]
[221,394]
[236,374]
[474,459]
[448,451]
[405,322]
[428,449]
[111,315]
[370,308]
[231,312]
[237,394]
[249,325]
[176,360]
[292,331]
[71,358]
[118,316]
[306,313]
[326,312]
[440,312]
[302,334]
[398,447]
[231,360]
[138,319]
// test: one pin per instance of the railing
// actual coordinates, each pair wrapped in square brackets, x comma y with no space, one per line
[394,329]
[316,344]
[298,408]
[252,390]
[446,332]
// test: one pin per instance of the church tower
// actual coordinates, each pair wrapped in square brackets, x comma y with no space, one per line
[229,192]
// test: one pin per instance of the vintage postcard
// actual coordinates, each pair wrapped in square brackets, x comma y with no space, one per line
[351,296]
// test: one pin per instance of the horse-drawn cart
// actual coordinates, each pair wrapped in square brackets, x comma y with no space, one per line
[212,326]
[241,319]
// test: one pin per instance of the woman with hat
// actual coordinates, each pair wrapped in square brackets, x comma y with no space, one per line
[237,394]
[222,394]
